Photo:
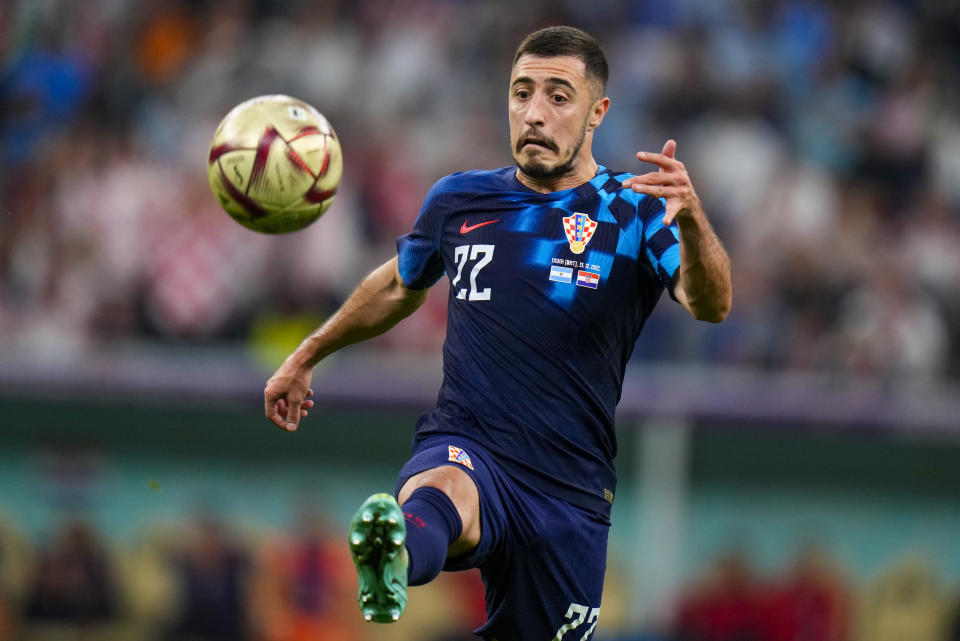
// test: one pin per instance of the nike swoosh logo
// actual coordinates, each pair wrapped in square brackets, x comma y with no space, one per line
[465,228]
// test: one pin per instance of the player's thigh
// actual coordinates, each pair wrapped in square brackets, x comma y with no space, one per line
[550,588]
[462,491]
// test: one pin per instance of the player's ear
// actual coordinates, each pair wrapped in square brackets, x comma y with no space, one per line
[598,111]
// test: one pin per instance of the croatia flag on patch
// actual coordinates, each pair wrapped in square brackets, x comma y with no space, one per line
[457,455]
[588,279]
[561,274]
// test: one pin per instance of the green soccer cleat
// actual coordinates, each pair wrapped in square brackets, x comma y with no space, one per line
[377,535]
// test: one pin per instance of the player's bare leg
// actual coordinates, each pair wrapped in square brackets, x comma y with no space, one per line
[461,490]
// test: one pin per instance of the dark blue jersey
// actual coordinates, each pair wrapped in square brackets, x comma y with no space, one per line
[548,293]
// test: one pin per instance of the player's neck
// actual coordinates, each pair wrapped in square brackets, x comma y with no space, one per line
[584,171]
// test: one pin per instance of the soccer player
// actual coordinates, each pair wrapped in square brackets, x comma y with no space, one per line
[554,265]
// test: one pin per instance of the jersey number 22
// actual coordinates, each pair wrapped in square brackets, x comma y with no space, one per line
[463,254]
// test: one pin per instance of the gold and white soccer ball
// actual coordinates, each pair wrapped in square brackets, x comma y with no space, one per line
[274,164]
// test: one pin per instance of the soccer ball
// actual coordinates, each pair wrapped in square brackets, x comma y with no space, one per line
[274,164]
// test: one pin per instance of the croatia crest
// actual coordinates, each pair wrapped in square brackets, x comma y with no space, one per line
[579,229]
[457,455]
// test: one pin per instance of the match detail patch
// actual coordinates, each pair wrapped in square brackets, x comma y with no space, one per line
[588,279]
[457,455]
[561,274]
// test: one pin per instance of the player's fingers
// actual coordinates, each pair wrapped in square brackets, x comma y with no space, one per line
[660,191]
[270,408]
[665,162]
[670,148]
[278,418]
[655,178]
[269,402]
[309,393]
[673,210]
[293,413]
[283,412]
[278,414]
[283,407]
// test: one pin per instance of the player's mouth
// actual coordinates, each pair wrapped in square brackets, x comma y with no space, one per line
[535,142]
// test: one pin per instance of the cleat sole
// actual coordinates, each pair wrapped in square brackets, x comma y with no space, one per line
[377,534]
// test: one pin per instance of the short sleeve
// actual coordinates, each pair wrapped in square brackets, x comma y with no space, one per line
[418,253]
[660,243]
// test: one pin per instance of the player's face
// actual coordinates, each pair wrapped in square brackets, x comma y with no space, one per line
[552,109]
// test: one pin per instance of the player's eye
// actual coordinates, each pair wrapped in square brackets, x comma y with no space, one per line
[522,94]
[558,98]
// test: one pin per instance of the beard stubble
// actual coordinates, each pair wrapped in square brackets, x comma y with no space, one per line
[539,171]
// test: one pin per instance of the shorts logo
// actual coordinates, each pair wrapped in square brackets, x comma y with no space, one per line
[587,279]
[416,520]
[459,456]
[561,274]
[579,229]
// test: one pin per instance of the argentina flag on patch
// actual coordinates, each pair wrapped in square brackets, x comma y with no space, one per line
[561,274]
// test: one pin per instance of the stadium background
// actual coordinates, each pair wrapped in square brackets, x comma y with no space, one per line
[788,475]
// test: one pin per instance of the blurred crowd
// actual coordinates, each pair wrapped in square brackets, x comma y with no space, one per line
[823,137]
[813,600]
[205,580]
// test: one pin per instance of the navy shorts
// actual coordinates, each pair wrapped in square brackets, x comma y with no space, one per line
[542,560]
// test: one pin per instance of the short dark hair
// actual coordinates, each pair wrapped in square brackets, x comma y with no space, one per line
[568,41]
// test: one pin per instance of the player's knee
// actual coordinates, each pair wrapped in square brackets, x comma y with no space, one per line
[459,488]
[449,480]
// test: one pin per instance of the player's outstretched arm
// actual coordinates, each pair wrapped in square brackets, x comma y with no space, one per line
[378,303]
[703,287]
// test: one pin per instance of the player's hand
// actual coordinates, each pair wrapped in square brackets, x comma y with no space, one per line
[671,183]
[286,398]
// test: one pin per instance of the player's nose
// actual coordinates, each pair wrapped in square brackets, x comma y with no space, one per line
[535,116]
